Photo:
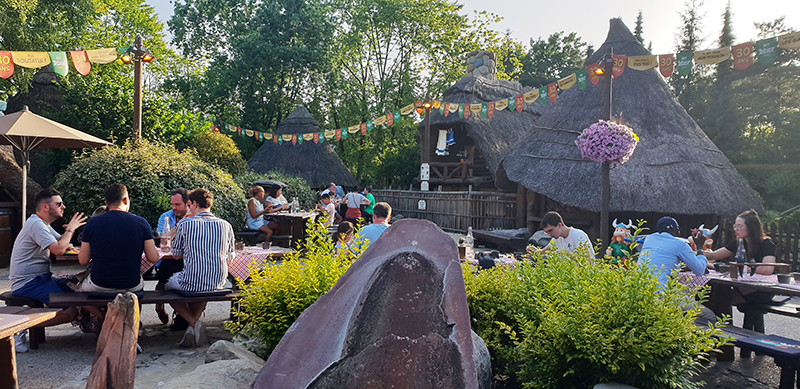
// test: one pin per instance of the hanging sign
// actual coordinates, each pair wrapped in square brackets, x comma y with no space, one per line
[330,134]
[407,109]
[581,76]
[249,133]
[500,105]
[743,55]
[321,137]
[530,97]
[684,63]
[593,77]
[712,57]
[308,137]
[316,137]
[6,64]
[294,139]
[466,111]
[475,108]
[490,110]
[512,104]
[339,134]
[666,64]
[567,82]
[543,95]
[787,41]
[361,127]
[642,62]
[59,61]
[80,62]
[484,108]
[446,109]
[102,56]
[389,119]
[552,91]
[31,59]
[617,65]
[765,50]
[379,120]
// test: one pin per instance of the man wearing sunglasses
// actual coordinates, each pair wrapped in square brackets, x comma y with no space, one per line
[30,258]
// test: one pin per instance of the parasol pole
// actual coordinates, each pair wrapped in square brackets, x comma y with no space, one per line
[25,163]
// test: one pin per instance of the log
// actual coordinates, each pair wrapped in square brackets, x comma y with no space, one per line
[114,363]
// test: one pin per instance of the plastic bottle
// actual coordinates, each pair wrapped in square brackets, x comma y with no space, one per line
[469,244]
[741,255]
[166,236]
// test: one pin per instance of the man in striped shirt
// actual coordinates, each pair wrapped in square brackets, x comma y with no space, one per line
[206,243]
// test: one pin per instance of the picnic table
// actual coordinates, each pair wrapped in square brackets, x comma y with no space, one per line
[13,320]
[297,223]
[239,266]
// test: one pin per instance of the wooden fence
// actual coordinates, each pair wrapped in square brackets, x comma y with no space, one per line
[454,211]
[785,236]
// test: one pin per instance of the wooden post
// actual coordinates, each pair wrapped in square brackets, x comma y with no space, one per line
[522,209]
[8,363]
[114,363]
[608,64]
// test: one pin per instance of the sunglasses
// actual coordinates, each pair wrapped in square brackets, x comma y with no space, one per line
[58,204]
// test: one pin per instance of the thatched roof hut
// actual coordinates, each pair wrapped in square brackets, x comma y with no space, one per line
[491,136]
[676,169]
[44,90]
[317,163]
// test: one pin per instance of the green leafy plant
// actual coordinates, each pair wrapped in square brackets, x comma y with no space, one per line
[295,186]
[568,322]
[219,149]
[277,293]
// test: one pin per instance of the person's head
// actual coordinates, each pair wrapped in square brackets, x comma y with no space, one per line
[331,187]
[178,198]
[748,226]
[275,191]
[200,199]
[325,198]
[117,197]
[368,189]
[668,225]
[344,232]
[553,225]
[49,205]
[382,212]
[257,192]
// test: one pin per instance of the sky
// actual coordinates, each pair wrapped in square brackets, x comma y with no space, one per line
[535,18]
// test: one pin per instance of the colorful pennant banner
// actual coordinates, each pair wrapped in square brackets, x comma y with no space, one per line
[81,60]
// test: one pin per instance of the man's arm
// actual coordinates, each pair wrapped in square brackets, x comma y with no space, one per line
[150,251]
[696,263]
[61,245]
[85,254]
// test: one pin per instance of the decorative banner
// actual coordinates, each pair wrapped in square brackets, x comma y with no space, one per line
[461,110]
[363,128]
[255,135]
[102,56]
[321,137]
[712,57]
[530,97]
[268,136]
[500,105]
[389,119]
[765,49]
[567,82]
[316,137]
[642,62]
[786,41]
[407,109]
[490,110]
[484,108]
[684,63]
[396,116]
[520,104]
[581,76]
[80,62]
[378,121]
[330,134]
[743,55]
[593,77]
[294,139]
[239,131]
[437,104]
[446,109]
[466,111]
[552,91]
[286,137]
[666,64]
[249,133]
[475,108]
[6,64]
[354,129]
[617,65]
[308,136]
[59,61]
[512,104]
[30,59]
[261,136]
[369,125]
[299,139]
[344,134]
[339,134]
[453,107]
[280,139]
[418,107]
[543,95]
[441,110]
[276,139]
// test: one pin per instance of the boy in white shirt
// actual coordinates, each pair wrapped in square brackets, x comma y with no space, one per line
[564,238]
[327,208]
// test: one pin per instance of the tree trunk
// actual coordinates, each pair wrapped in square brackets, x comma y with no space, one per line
[114,363]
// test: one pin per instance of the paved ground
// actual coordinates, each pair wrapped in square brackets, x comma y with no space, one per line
[64,361]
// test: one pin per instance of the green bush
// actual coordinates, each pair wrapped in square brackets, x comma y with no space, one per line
[150,171]
[278,293]
[295,186]
[219,149]
[569,323]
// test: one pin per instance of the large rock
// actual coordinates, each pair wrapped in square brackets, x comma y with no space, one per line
[398,318]
[483,361]
[230,374]
[222,350]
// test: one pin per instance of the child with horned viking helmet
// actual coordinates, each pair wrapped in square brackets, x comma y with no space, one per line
[618,250]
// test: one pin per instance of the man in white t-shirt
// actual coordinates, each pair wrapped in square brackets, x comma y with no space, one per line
[564,238]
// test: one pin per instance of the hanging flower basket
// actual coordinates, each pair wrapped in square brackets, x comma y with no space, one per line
[606,141]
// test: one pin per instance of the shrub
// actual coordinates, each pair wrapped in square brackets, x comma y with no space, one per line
[219,149]
[150,171]
[279,292]
[570,323]
[295,186]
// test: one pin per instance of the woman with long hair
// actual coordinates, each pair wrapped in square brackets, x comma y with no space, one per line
[256,211]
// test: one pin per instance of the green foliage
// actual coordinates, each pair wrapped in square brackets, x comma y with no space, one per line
[219,149]
[570,323]
[150,171]
[548,60]
[280,291]
[778,185]
[295,186]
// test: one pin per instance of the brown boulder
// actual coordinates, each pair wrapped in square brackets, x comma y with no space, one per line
[397,318]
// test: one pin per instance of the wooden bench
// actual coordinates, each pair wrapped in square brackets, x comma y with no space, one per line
[149,297]
[36,334]
[504,243]
[254,237]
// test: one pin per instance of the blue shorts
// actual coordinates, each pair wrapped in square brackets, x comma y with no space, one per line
[40,288]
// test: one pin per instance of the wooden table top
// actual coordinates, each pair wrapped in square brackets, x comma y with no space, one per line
[35,316]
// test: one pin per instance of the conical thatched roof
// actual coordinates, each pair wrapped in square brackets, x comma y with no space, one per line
[317,163]
[676,169]
[44,90]
[11,177]
[492,136]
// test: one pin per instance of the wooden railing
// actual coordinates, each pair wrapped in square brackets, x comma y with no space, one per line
[785,236]
[454,211]
[448,170]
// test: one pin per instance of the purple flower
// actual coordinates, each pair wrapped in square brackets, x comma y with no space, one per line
[606,141]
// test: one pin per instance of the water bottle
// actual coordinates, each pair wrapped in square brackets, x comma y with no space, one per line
[741,256]
[469,244]
[166,236]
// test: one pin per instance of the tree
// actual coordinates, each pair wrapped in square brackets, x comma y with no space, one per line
[554,58]
[690,89]
[637,32]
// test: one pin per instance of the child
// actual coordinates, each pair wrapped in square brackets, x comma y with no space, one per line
[344,237]
[327,209]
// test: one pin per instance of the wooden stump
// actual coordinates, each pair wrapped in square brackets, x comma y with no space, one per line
[114,363]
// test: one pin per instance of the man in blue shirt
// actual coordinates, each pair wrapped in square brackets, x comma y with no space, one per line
[178,201]
[164,269]
[664,251]
[380,222]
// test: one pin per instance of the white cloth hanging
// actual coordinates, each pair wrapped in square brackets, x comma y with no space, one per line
[441,144]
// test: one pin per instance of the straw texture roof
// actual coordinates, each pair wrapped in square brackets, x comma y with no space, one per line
[11,176]
[676,169]
[316,163]
[492,136]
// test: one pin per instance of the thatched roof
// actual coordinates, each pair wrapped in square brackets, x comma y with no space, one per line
[492,136]
[317,163]
[11,177]
[44,89]
[676,169]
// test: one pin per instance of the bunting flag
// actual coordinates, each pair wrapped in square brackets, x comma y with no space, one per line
[437,104]
[407,109]
[519,103]
[308,137]
[339,134]
[643,62]
[362,127]
[268,136]
[530,97]
[330,134]
[316,137]
[475,108]
[743,55]
[286,137]
[418,107]
[453,107]
[552,91]
[446,109]
[6,64]
[389,119]
[249,133]
[321,137]
[490,110]
[397,116]
[102,56]
[369,125]
[299,139]
[441,109]
[275,139]
[765,50]
[543,95]
[279,138]
[59,61]
[484,109]
[666,64]
[378,121]
[617,65]
[344,134]
[567,82]
[466,111]
[261,137]
[501,104]
[512,104]
[712,57]
[581,76]
[593,77]
[80,62]
[31,59]
[684,63]
[789,41]
[294,139]
[461,110]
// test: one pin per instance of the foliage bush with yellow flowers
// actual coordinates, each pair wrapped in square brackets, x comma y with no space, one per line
[278,292]
[569,322]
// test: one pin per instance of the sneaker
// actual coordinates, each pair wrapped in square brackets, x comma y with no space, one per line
[19,342]
[188,338]
[138,349]
[200,334]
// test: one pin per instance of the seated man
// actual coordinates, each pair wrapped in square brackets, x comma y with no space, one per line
[30,258]
[165,268]
[665,250]
[114,242]
[565,238]
[206,243]
[382,214]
